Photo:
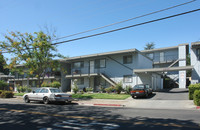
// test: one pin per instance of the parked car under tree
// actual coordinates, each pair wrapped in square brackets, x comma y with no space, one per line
[47,95]
[141,90]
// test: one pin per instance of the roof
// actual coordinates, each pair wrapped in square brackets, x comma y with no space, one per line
[195,44]
[103,54]
[166,69]
[164,48]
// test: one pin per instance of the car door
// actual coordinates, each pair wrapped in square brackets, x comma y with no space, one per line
[42,93]
[34,95]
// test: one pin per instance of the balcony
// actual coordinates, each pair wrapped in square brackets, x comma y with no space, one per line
[165,59]
[85,72]
[51,75]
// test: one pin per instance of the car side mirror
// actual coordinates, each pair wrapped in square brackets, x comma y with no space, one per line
[33,91]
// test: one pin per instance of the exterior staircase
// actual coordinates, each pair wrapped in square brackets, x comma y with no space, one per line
[105,77]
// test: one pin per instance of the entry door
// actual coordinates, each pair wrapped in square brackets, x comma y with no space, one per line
[91,66]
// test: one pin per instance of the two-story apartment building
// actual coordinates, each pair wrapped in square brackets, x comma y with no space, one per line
[107,69]
[23,79]
[170,57]
[131,67]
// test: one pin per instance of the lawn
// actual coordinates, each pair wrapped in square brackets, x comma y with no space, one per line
[101,96]
[19,94]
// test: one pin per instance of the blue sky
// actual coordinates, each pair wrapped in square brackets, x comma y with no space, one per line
[72,16]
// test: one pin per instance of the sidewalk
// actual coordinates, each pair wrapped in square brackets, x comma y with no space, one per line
[129,103]
[141,103]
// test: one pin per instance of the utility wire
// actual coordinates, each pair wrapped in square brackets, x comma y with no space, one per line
[151,21]
[125,20]
[97,34]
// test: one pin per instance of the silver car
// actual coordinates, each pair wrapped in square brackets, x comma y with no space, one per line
[47,94]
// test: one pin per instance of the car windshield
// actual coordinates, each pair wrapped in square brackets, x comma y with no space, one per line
[139,87]
[55,90]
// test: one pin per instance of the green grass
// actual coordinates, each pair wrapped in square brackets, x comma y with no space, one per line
[19,94]
[100,96]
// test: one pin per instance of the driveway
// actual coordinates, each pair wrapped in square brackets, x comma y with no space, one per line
[175,98]
[171,94]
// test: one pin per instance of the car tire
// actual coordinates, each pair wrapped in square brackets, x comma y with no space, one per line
[146,95]
[26,99]
[46,100]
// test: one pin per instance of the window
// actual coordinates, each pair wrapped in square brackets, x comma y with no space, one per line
[100,63]
[44,91]
[162,56]
[80,81]
[37,90]
[127,78]
[198,54]
[127,59]
[79,64]
[150,55]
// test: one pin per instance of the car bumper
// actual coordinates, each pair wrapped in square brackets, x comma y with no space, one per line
[61,99]
[137,94]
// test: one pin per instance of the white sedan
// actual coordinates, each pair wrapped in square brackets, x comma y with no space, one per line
[47,94]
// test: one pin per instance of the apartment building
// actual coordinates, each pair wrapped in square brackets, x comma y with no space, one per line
[20,79]
[160,68]
[167,58]
[156,67]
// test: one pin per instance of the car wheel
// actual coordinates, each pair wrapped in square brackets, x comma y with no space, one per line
[146,95]
[26,99]
[46,100]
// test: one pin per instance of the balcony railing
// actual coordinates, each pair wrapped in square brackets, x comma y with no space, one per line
[86,70]
[167,58]
[52,74]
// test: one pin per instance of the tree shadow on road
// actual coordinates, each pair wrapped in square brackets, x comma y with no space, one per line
[20,116]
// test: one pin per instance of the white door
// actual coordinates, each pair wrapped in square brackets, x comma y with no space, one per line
[91,66]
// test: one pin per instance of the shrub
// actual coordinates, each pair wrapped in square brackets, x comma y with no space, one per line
[45,84]
[29,89]
[1,91]
[101,88]
[128,89]
[6,94]
[192,88]
[3,85]
[89,89]
[118,87]
[23,88]
[75,88]
[196,97]
[109,89]
[55,84]
[18,89]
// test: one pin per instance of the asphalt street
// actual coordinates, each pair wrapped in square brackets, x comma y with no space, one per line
[18,115]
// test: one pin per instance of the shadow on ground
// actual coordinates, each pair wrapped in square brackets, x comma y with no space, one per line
[20,116]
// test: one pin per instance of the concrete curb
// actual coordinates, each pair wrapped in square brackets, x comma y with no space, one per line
[108,105]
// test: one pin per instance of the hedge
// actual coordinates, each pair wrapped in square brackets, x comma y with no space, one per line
[3,85]
[192,88]
[6,94]
[196,97]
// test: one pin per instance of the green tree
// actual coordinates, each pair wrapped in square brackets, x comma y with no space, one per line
[34,51]
[149,46]
[2,65]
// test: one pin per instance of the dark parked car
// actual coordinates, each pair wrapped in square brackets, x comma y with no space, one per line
[141,90]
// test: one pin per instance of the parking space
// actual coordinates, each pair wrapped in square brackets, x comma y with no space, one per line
[170,94]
